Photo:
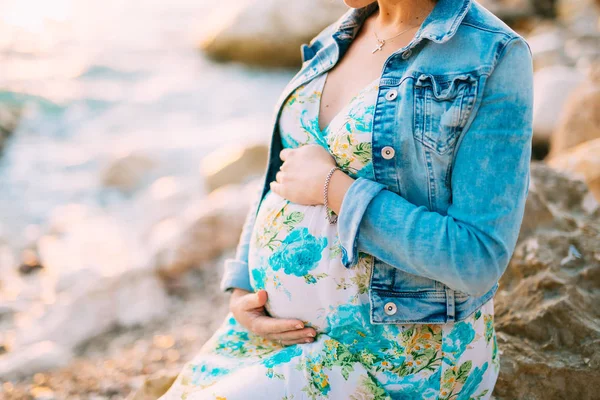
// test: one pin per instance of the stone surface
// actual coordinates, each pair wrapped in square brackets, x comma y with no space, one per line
[204,232]
[128,172]
[546,310]
[580,118]
[552,85]
[583,161]
[94,307]
[268,32]
[512,10]
[39,357]
[231,165]
[115,364]
[94,280]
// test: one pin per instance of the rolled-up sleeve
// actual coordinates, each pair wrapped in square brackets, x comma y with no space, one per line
[469,248]
[355,202]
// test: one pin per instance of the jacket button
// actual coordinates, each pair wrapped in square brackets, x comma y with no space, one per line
[406,54]
[391,94]
[390,308]
[387,152]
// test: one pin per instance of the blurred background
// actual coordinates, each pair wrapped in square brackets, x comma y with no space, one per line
[132,134]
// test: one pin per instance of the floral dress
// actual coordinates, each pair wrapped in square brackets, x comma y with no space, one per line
[295,255]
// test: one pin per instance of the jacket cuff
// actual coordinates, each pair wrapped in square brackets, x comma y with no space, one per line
[355,202]
[235,275]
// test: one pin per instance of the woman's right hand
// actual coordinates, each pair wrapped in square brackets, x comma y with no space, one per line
[248,309]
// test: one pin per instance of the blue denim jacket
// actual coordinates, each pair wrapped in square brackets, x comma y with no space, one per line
[451,144]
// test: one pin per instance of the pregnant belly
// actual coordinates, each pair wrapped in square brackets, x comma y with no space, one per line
[295,256]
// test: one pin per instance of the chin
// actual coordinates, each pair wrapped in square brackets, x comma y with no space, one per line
[358,3]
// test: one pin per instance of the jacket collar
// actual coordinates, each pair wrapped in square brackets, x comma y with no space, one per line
[439,26]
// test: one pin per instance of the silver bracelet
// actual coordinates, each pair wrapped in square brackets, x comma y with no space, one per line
[325,192]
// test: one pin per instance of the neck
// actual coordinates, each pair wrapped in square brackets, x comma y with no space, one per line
[395,15]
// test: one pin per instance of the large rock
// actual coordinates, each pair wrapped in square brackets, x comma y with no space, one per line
[552,86]
[94,306]
[580,119]
[233,165]
[268,32]
[546,309]
[39,357]
[514,11]
[583,161]
[95,279]
[203,232]
[127,173]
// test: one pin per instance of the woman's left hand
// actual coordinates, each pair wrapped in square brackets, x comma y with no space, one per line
[302,174]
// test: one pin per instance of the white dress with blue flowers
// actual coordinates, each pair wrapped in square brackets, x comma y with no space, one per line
[295,255]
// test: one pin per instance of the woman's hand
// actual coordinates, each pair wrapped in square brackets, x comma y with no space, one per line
[248,309]
[302,176]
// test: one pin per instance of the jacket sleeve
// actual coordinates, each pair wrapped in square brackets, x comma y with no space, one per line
[469,248]
[236,273]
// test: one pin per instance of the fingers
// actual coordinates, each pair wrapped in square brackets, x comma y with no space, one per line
[283,154]
[296,341]
[253,300]
[288,331]
[305,335]
[277,188]
[265,326]
[279,176]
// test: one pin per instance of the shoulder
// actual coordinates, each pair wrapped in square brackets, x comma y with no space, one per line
[485,27]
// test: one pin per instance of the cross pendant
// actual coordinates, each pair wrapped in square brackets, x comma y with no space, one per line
[379,46]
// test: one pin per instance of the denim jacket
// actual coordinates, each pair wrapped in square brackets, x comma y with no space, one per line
[451,147]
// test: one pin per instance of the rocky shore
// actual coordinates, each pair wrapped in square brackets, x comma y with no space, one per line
[91,309]
[545,316]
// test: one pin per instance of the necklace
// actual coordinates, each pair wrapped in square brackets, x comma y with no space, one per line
[381,42]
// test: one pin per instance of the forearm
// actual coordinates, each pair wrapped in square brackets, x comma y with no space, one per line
[426,243]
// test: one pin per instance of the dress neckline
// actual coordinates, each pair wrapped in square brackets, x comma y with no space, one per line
[323,78]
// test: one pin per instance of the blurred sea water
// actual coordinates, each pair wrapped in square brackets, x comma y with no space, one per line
[100,79]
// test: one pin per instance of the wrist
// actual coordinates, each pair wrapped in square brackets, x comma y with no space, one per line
[319,199]
[339,183]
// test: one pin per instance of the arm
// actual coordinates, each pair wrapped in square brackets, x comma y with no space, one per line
[469,248]
[236,273]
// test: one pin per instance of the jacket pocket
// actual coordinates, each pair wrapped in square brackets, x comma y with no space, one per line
[442,105]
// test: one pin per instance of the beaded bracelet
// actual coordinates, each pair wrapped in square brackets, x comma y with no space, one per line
[325,191]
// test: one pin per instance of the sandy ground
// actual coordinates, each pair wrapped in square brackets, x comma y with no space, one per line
[114,364]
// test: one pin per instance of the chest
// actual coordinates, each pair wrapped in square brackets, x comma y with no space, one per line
[347,136]
[360,66]
[423,105]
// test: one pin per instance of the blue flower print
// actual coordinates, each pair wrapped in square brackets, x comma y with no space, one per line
[350,325]
[202,373]
[457,340]
[282,356]
[472,383]
[416,388]
[259,276]
[299,252]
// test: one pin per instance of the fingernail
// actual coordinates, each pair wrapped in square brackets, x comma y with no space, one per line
[311,334]
[308,340]
[299,326]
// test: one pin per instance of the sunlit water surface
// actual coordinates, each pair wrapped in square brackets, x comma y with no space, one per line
[102,78]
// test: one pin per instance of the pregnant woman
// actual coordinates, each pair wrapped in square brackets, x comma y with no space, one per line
[393,197]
